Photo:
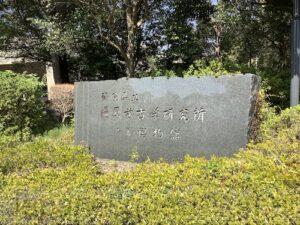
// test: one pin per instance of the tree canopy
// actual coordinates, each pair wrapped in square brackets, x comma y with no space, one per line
[108,39]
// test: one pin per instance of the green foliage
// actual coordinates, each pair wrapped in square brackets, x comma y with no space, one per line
[63,134]
[21,104]
[8,140]
[275,82]
[134,156]
[257,38]
[249,32]
[183,31]
[48,183]
[18,35]
[158,73]
[41,154]
[277,85]
[209,68]
[67,29]
[203,67]
[287,121]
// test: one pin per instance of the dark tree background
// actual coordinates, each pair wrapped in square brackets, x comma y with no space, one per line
[108,39]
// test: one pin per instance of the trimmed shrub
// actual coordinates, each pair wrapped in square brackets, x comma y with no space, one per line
[256,186]
[41,154]
[21,104]
[287,120]
[8,141]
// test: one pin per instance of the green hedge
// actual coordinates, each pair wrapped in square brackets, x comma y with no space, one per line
[47,183]
[21,105]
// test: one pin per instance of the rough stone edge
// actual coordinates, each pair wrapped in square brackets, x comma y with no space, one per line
[253,124]
[167,78]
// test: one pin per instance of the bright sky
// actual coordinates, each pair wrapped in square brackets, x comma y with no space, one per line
[214,2]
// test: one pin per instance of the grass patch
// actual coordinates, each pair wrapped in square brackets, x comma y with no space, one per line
[63,134]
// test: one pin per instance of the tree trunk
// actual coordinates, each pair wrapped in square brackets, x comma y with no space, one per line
[130,70]
[250,54]
[218,41]
[131,28]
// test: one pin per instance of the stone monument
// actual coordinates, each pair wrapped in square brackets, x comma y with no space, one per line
[165,118]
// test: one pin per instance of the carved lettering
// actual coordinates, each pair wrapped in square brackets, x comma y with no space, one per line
[141,113]
[116,112]
[142,132]
[154,113]
[199,114]
[104,96]
[175,134]
[184,114]
[104,112]
[157,133]
[128,133]
[128,112]
[168,114]
[115,96]
[124,96]
[135,98]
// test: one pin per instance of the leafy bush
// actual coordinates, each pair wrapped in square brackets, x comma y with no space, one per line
[53,149]
[261,108]
[8,141]
[21,104]
[208,68]
[277,85]
[287,121]
[41,154]
[158,73]
[48,183]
